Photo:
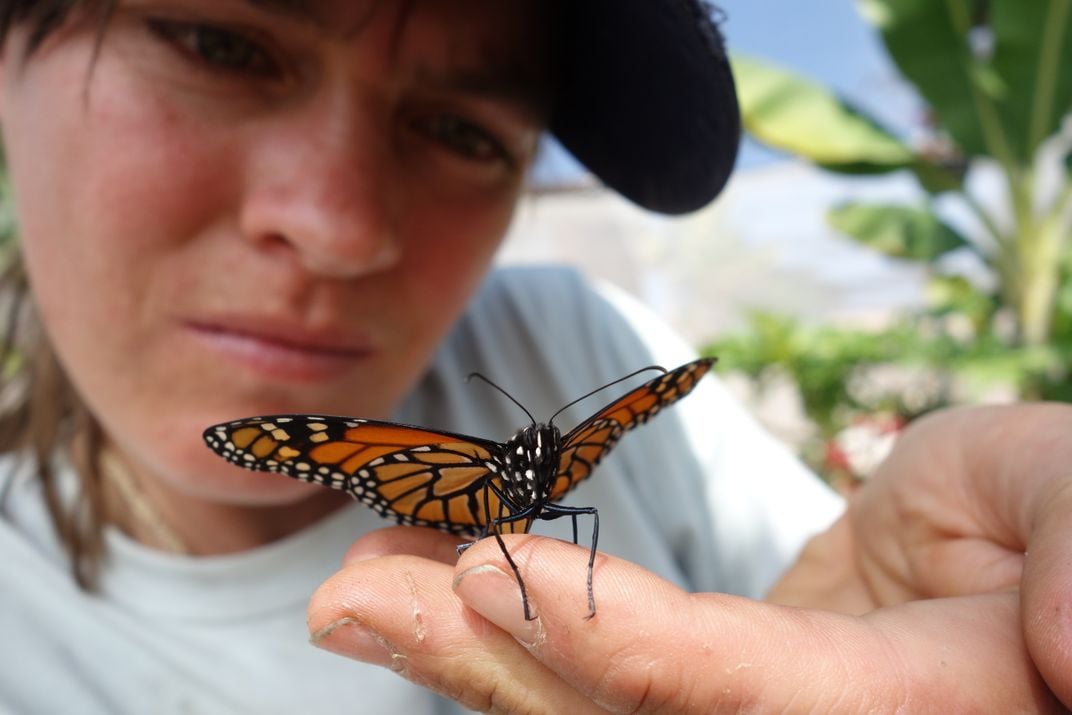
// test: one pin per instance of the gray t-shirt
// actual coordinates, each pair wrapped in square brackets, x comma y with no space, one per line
[701,496]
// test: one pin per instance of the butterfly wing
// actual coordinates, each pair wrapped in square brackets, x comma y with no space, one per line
[418,476]
[587,443]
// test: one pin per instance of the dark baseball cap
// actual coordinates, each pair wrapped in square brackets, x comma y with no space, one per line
[646,99]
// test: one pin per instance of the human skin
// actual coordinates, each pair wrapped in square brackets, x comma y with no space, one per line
[920,599]
[270,211]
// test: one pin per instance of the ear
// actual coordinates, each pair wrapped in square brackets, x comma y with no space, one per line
[13,59]
[5,51]
[10,46]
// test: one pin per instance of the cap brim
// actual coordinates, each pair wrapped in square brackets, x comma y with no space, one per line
[646,100]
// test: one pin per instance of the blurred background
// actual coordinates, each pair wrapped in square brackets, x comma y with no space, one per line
[896,236]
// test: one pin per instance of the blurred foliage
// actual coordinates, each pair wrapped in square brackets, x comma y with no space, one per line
[996,76]
[840,372]
[996,79]
[858,383]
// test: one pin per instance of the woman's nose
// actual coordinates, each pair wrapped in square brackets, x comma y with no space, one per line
[324,184]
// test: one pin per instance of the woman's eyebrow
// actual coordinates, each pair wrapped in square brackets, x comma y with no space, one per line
[516,89]
[300,10]
[311,12]
[509,83]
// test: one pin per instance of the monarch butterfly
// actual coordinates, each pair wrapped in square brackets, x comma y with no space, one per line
[448,481]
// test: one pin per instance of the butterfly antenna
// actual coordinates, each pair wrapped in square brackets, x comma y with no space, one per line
[660,368]
[508,395]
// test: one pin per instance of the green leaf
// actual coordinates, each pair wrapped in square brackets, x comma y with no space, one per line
[1001,102]
[956,294]
[929,44]
[788,112]
[899,231]
[1033,58]
[935,178]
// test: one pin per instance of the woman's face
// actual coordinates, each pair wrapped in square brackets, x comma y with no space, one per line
[242,207]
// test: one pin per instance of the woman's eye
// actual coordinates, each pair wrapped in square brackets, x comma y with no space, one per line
[217,47]
[464,138]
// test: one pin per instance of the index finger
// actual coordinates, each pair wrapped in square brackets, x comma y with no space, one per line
[413,540]
[398,611]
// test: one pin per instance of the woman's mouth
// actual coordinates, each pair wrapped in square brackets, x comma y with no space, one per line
[280,350]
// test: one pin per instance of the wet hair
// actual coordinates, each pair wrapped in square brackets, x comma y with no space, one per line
[41,415]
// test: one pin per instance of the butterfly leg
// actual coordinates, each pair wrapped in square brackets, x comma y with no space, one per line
[504,503]
[462,548]
[492,526]
[517,575]
[554,511]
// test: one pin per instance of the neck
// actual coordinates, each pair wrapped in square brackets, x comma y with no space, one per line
[152,512]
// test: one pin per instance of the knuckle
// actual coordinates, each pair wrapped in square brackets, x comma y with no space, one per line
[634,680]
[474,688]
[490,694]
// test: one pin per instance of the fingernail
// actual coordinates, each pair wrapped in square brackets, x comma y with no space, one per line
[495,595]
[349,637]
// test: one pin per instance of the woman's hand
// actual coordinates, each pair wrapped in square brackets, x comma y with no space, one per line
[909,600]
[971,501]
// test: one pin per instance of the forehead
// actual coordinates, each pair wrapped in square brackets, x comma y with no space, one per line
[487,23]
[499,46]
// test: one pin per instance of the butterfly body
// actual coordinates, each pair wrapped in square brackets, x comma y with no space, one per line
[449,481]
[529,467]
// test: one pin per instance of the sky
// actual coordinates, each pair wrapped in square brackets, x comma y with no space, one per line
[826,40]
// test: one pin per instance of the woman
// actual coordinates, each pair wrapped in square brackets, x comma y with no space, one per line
[259,206]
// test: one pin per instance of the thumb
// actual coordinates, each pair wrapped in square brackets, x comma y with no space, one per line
[652,646]
[1047,594]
